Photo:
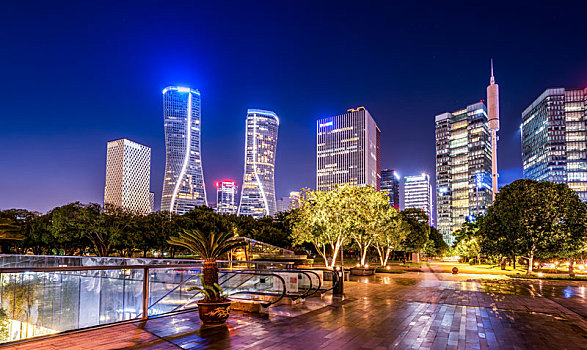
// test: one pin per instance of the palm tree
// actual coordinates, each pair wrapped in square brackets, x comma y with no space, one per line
[209,246]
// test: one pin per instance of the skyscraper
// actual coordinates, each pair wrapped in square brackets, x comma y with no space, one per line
[418,194]
[390,185]
[183,183]
[226,192]
[128,176]
[348,150]
[287,203]
[463,167]
[258,192]
[554,138]
[493,119]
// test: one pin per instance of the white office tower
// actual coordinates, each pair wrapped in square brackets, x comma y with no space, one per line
[258,192]
[418,194]
[493,117]
[183,182]
[226,192]
[348,150]
[128,176]
[286,203]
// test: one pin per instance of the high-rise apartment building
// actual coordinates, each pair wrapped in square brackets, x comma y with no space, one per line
[128,176]
[348,150]
[390,185]
[226,192]
[463,167]
[554,138]
[287,203]
[183,183]
[418,194]
[258,191]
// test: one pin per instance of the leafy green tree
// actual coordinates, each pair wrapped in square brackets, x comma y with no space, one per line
[536,220]
[417,230]
[435,246]
[326,219]
[391,236]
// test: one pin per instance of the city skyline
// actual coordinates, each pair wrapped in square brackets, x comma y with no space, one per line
[106,84]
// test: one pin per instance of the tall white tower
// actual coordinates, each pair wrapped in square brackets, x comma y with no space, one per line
[493,118]
[128,176]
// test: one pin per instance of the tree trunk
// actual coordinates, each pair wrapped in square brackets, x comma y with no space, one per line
[210,272]
[571,267]
[387,251]
[530,263]
[503,261]
[514,262]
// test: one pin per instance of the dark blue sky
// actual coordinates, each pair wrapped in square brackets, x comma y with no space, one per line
[74,75]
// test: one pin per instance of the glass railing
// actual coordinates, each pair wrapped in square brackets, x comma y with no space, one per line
[57,294]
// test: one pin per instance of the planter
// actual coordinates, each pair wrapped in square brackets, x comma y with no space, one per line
[214,313]
[362,271]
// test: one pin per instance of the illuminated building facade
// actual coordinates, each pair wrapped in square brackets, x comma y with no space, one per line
[348,150]
[554,138]
[418,194]
[287,203]
[463,167]
[226,192]
[128,176]
[258,192]
[183,183]
[390,185]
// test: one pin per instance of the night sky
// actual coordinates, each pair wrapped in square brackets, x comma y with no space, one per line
[74,75]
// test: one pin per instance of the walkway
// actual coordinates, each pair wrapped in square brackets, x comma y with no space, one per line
[412,310]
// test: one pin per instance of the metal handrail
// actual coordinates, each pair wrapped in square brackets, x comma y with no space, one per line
[295,296]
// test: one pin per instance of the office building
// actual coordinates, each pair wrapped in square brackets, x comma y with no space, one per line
[128,176]
[463,167]
[226,193]
[418,194]
[390,185]
[287,203]
[183,183]
[258,191]
[554,138]
[348,150]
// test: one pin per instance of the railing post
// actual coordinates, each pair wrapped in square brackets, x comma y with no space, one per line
[145,314]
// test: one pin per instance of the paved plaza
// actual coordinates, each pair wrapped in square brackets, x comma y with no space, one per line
[391,311]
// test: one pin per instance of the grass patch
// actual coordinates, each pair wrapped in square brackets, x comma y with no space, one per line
[390,271]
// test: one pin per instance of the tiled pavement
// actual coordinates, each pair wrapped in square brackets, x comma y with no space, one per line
[416,310]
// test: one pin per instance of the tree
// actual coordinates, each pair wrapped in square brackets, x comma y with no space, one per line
[435,246]
[371,214]
[536,220]
[210,241]
[67,229]
[391,236]
[417,230]
[326,219]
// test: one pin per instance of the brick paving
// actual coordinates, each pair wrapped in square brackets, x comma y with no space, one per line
[409,311]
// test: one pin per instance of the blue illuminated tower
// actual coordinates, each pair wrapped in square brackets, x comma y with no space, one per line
[258,191]
[183,183]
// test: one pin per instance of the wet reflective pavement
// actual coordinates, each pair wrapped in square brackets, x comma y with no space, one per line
[396,311]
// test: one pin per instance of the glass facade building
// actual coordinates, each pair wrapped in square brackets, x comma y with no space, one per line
[390,185]
[418,194]
[128,176]
[463,167]
[258,191]
[183,183]
[348,150]
[226,192]
[554,138]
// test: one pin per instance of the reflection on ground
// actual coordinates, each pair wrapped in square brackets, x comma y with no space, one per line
[412,310]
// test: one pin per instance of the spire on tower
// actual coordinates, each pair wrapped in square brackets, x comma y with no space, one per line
[492,80]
